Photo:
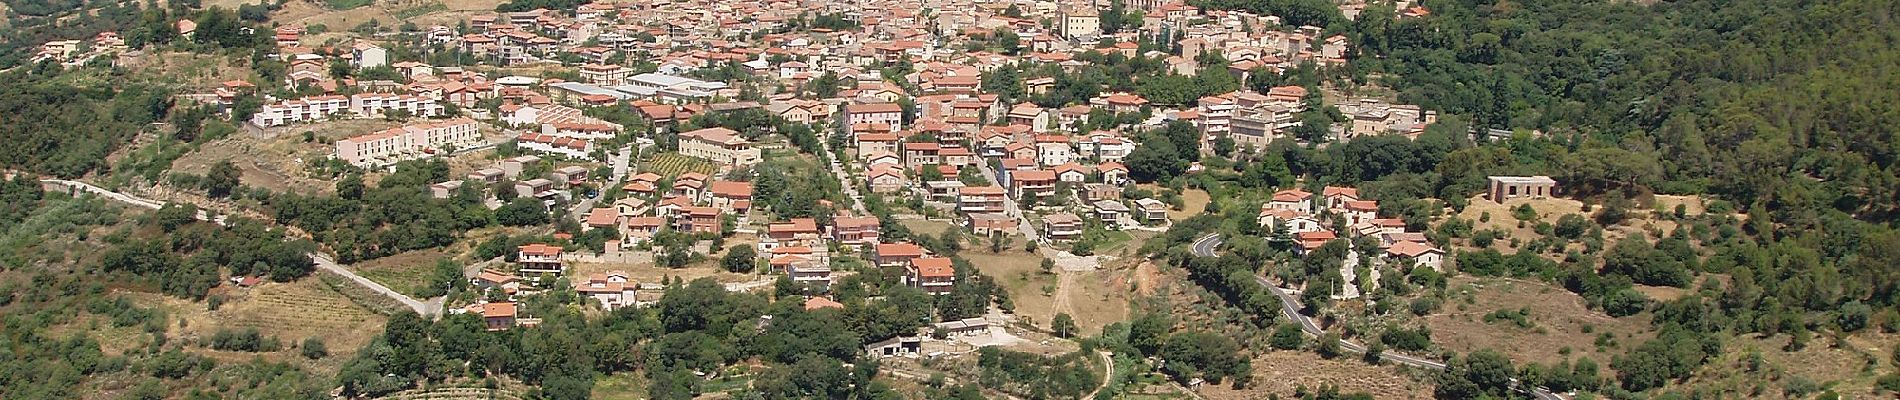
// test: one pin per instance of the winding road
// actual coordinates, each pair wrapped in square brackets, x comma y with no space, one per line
[431,307]
[1291,307]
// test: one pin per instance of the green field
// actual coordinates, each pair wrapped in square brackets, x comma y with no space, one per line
[674,164]
[621,386]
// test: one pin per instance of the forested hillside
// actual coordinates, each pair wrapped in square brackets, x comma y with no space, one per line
[1783,102]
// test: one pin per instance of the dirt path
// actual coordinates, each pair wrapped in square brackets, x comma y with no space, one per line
[1065,287]
[431,307]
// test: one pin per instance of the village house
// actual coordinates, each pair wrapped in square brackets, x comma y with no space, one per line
[498,316]
[1421,254]
[893,255]
[1061,226]
[721,145]
[698,220]
[491,280]
[1503,188]
[1039,183]
[724,194]
[1110,212]
[988,224]
[935,275]
[981,199]
[1294,200]
[855,231]
[799,232]
[1152,211]
[612,289]
[540,259]
[888,114]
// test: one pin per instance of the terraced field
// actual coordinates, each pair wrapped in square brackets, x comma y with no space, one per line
[673,164]
[306,308]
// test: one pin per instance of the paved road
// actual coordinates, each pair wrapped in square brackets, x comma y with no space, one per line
[1291,307]
[432,307]
[844,180]
[621,162]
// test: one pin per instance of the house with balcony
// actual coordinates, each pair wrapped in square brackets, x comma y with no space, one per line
[1151,211]
[540,259]
[810,274]
[1110,211]
[1061,226]
[1036,182]
[981,199]
[934,275]
[698,220]
[855,231]
[799,232]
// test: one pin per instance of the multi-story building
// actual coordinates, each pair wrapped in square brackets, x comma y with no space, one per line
[935,275]
[540,258]
[855,231]
[888,114]
[981,199]
[305,109]
[397,144]
[720,145]
[1081,22]
[380,104]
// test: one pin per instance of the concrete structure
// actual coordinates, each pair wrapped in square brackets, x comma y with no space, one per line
[1508,187]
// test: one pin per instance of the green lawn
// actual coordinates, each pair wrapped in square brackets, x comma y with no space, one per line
[621,386]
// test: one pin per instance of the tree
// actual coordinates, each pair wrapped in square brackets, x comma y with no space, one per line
[1481,374]
[222,179]
[175,215]
[1329,345]
[1148,332]
[1202,354]
[522,211]
[350,187]
[740,259]
[1287,337]
[1063,325]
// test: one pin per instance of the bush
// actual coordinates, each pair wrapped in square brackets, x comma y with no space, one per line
[313,348]
[1424,305]
[247,340]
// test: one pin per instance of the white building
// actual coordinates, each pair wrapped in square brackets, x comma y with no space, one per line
[414,141]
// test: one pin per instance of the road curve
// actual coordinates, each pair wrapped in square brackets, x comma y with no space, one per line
[1291,307]
[426,308]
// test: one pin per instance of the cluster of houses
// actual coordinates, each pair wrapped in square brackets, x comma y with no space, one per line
[1313,219]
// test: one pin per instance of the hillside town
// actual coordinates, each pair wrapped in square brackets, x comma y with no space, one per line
[874,199]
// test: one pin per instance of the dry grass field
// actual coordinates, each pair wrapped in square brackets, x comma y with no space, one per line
[405,272]
[1283,372]
[1193,201]
[1844,369]
[1558,318]
[289,311]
